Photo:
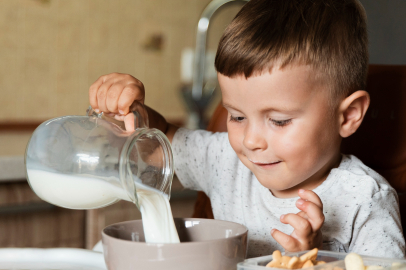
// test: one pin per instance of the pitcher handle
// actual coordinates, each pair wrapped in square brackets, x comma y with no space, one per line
[138,109]
[140,112]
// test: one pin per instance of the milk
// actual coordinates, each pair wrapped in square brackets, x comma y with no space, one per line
[157,219]
[76,192]
[85,192]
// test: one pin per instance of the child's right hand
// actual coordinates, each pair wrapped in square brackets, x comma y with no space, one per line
[114,94]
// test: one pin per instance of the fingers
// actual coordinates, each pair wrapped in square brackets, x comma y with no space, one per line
[301,225]
[312,209]
[102,96]
[302,214]
[93,92]
[114,93]
[129,122]
[307,224]
[112,96]
[286,241]
[309,195]
[127,97]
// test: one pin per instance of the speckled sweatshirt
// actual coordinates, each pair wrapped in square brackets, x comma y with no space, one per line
[360,207]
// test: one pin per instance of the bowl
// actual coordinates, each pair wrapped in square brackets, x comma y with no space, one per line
[205,244]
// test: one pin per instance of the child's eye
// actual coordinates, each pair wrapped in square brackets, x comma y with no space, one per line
[281,123]
[236,119]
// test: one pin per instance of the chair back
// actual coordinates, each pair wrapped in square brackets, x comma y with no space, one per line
[380,142]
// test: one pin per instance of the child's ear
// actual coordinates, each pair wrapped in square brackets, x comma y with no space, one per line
[352,111]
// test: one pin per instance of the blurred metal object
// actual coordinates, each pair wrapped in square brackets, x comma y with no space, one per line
[200,51]
[199,95]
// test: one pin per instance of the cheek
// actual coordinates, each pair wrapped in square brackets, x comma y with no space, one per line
[235,136]
[307,145]
[291,146]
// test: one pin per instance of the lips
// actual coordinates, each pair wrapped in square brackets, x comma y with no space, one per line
[261,163]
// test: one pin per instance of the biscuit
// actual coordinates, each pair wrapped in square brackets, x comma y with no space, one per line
[311,255]
[307,264]
[354,262]
[306,260]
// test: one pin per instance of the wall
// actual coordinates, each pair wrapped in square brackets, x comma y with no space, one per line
[52,50]
[387,31]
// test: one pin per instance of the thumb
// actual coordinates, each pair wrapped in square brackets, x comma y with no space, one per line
[129,122]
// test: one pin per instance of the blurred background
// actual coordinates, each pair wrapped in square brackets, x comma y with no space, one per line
[51,51]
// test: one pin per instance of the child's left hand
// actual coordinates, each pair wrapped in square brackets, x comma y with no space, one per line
[307,224]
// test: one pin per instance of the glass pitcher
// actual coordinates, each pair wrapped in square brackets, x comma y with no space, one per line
[87,162]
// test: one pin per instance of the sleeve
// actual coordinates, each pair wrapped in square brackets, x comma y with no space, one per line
[197,156]
[377,230]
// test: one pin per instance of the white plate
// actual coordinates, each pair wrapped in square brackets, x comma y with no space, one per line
[53,258]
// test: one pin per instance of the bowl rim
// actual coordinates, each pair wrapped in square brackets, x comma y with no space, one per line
[111,238]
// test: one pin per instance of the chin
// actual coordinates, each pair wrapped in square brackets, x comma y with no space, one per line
[274,183]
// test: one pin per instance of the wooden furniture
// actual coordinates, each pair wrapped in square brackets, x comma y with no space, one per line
[380,142]
[27,221]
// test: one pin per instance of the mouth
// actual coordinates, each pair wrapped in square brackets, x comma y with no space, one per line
[265,164]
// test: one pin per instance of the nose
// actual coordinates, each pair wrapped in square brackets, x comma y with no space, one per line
[254,138]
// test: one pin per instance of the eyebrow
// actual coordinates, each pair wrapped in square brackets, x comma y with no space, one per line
[225,105]
[282,110]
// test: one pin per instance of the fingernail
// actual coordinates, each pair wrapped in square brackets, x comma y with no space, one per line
[121,112]
[272,231]
[282,216]
[97,110]
[300,202]
[301,191]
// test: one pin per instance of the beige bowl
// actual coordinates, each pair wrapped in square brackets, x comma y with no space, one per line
[205,244]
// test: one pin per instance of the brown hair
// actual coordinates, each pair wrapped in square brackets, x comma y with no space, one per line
[329,35]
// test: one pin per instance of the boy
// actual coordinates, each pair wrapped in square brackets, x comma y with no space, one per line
[291,74]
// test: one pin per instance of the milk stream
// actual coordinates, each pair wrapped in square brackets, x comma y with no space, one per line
[86,192]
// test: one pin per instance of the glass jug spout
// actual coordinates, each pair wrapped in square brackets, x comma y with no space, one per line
[146,162]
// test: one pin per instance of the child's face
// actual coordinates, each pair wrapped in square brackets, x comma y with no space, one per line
[282,127]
